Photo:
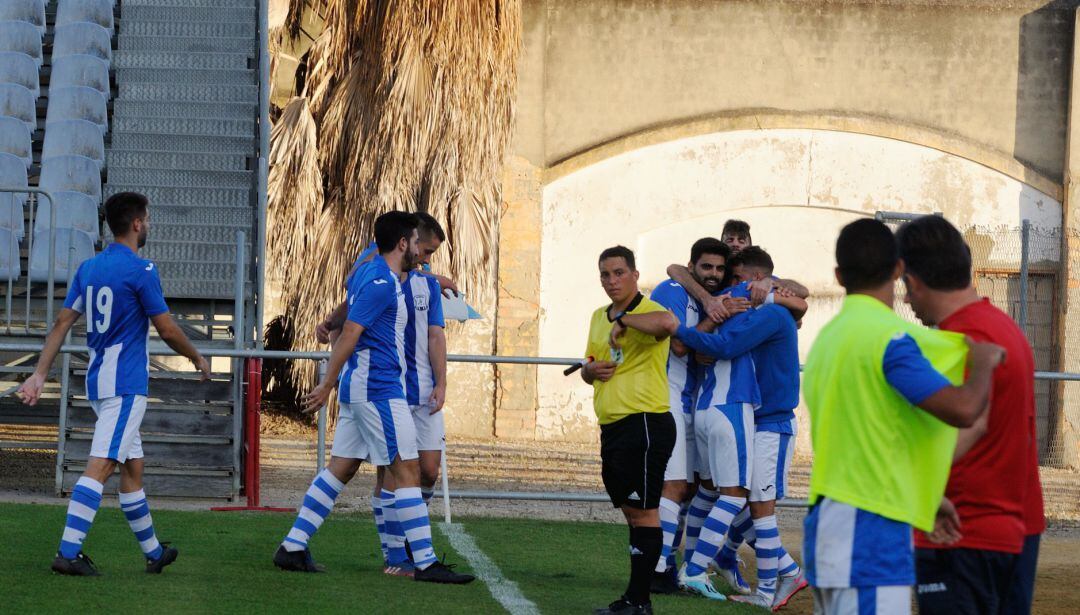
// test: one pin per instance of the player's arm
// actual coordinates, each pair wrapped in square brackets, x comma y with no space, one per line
[175,338]
[735,339]
[333,321]
[437,347]
[658,324]
[968,436]
[340,352]
[794,304]
[912,375]
[794,288]
[714,306]
[30,390]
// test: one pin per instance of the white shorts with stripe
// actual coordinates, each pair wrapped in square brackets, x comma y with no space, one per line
[677,464]
[772,458]
[884,600]
[349,440]
[386,427]
[116,432]
[430,428]
[725,444]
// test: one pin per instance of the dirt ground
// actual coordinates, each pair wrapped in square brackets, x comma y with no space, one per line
[289,461]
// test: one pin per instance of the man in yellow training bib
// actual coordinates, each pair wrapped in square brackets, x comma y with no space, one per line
[884,398]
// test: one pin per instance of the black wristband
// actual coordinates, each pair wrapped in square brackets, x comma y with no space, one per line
[618,319]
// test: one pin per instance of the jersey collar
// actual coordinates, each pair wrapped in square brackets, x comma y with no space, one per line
[630,308]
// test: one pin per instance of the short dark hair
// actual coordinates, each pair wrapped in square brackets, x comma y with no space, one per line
[737,228]
[709,245]
[392,227]
[619,251]
[123,208]
[753,256]
[430,226]
[935,252]
[866,255]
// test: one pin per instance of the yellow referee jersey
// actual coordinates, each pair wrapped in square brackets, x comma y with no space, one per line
[640,383]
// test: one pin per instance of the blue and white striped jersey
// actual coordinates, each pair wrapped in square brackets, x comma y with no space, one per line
[376,302]
[730,381]
[119,293]
[681,371]
[423,301]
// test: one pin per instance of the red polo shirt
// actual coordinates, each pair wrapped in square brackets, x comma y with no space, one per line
[995,485]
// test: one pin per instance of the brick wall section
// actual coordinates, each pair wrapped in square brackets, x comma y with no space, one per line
[519,300]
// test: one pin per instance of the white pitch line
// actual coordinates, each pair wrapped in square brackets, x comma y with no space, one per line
[504,590]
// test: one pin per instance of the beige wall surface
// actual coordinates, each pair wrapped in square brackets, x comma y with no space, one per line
[993,73]
[796,188]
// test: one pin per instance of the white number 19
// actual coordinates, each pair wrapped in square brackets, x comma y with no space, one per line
[102,302]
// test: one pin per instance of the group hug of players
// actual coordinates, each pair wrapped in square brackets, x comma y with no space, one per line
[911,427]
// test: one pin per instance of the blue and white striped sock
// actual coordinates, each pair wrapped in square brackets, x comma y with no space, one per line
[413,516]
[742,528]
[786,564]
[395,536]
[699,509]
[426,494]
[714,532]
[767,548]
[85,501]
[380,521]
[669,525]
[318,502]
[137,512]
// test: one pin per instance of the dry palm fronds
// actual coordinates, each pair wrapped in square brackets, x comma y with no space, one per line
[414,104]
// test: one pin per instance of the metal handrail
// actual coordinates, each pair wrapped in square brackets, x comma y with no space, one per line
[30,248]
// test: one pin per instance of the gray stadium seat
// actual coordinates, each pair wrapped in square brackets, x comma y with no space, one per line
[30,11]
[16,140]
[19,102]
[74,137]
[73,210]
[22,37]
[78,103]
[82,38]
[77,173]
[17,67]
[93,11]
[12,175]
[81,69]
[66,240]
[9,256]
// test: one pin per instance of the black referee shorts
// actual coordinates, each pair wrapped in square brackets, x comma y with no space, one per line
[634,452]
[963,581]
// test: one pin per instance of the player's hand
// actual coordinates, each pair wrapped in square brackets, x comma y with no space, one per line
[30,390]
[783,291]
[447,284]
[317,398]
[203,366]
[602,370]
[717,309]
[322,332]
[984,354]
[704,359]
[946,524]
[438,398]
[736,305]
[617,331]
[759,291]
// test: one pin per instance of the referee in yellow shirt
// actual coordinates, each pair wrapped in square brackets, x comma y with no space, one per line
[629,347]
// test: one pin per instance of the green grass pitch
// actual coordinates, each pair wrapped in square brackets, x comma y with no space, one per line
[225,566]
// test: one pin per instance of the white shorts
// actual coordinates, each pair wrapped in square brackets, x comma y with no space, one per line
[430,428]
[725,444]
[116,433]
[386,427]
[772,458]
[349,440]
[871,600]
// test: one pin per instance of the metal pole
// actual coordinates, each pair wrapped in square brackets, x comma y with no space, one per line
[1025,246]
[237,364]
[52,262]
[65,384]
[320,450]
[445,487]
[264,166]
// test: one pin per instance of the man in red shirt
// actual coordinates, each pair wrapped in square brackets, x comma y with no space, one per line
[993,498]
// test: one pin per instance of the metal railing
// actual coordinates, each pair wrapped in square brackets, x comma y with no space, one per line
[17,264]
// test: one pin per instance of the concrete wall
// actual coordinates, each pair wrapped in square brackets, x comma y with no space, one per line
[795,187]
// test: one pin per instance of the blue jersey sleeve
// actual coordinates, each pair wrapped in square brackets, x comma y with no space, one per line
[673,296]
[74,299]
[736,337]
[149,291]
[372,299]
[435,315]
[909,372]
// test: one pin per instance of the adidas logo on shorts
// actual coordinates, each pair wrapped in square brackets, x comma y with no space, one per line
[634,496]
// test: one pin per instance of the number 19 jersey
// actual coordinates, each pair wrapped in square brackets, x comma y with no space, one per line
[119,293]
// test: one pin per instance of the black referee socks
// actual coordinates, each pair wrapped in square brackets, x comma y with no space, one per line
[645,546]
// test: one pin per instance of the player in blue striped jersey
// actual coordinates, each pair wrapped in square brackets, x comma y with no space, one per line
[120,293]
[374,421]
[707,265]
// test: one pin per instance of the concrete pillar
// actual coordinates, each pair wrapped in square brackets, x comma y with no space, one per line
[518,315]
[1064,446]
